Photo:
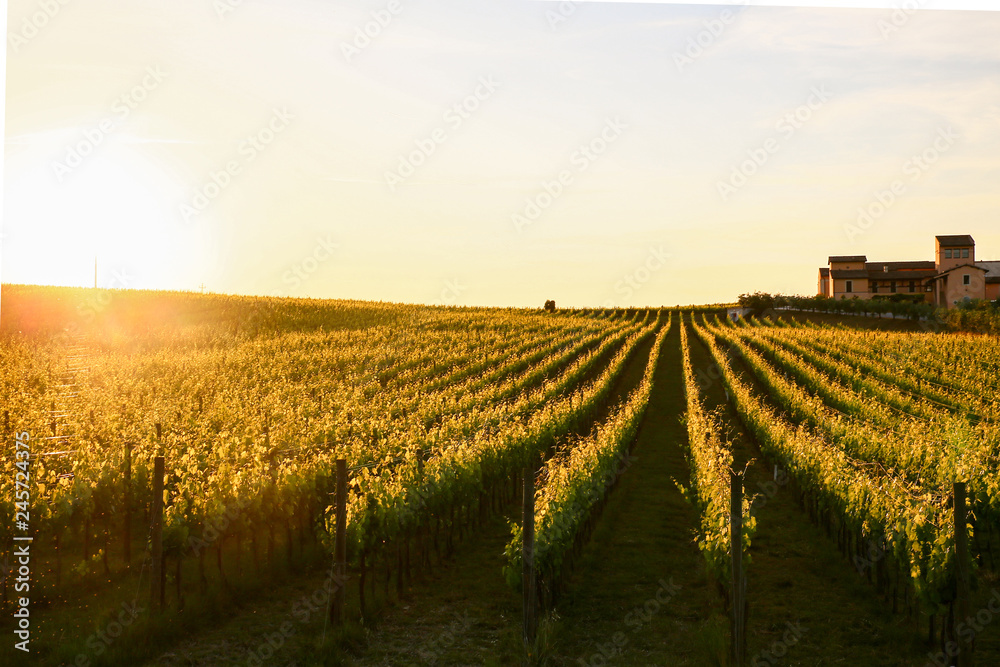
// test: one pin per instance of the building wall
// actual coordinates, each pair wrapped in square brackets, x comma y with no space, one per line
[957,291]
[944,263]
[902,287]
[860,288]
[993,291]
[847,266]
[823,286]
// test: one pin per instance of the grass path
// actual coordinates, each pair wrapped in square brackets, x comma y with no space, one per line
[611,613]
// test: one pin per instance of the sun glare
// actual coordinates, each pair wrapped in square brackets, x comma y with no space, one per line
[111,209]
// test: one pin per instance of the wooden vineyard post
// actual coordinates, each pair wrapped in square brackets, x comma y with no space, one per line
[965,658]
[340,546]
[127,501]
[739,608]
[272,495]
[157,537]
[528,554]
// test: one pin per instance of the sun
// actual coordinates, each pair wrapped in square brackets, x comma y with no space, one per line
[114,208]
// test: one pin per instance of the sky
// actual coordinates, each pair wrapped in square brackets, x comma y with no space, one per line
[495,153]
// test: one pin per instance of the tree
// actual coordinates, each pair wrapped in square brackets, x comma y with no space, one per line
[758,302]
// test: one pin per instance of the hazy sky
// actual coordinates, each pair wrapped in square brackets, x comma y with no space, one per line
[490,153]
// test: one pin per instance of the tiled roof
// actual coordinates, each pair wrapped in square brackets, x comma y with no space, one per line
[880,274]
[901,275]
[901,266]
[992,268]
[992,271]
[848,258]
[952,241]
[962,266]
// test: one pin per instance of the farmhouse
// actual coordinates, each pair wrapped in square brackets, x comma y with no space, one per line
[953,277]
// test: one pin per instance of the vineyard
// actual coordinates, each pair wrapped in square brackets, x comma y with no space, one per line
[187,451]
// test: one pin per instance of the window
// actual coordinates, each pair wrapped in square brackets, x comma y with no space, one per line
[966,280]
[874,287]
[947,253]
[892,287]
[850,286]
[913,286]
[965,253]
